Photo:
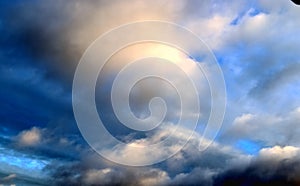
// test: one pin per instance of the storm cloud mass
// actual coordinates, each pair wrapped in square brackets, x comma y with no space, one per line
[256,44]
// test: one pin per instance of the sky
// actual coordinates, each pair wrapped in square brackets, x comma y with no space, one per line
[254,44]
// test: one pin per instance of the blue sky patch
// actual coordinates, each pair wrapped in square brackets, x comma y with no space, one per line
[248,146]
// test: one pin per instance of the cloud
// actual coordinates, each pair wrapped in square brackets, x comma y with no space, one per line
[259,55]
[151,149]
[59,42]
[9,177]
[98,176]
[18,166]
[50,50]
[269,129]
[274,166]
[30,137]
[280,153]
[188,166]
[280,80]
[112,176]
[218,165]
[256,45]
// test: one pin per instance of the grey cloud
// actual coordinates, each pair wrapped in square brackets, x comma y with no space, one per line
[13,179]
[269,52]
[188,166]
[280,80]
[269,170]
[218,165]
[54,35]
[268,129]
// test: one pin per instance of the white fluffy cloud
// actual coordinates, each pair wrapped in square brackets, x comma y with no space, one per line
[271,129]
[30,137]
[279,153]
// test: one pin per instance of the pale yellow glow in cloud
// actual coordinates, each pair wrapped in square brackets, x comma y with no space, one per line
[136,52]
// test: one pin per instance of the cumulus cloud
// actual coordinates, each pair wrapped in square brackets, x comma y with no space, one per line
[109,176]
[188,166]
[98,176]
[270,129]
[279,153]
[274,166]
[261,55]
[30,137]
[219,165]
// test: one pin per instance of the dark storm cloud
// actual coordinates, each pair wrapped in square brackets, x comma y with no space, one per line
[188,167]
[286,172]
[47,32]
[37,65]
[40,49]
[217,166]
[94,170]
[38,60]
[272,166]
[38,31]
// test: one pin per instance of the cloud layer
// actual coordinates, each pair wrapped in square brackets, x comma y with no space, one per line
[255,43]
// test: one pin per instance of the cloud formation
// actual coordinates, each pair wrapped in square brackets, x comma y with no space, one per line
[30,137]
[218,165]
[255,43]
